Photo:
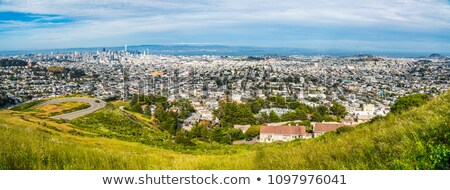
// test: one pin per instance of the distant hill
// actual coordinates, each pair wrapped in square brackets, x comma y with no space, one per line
[115,139]
[436,56]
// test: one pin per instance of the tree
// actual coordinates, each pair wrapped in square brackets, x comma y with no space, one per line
[338,110]
[219,134]
[316,116]
[134,100]
[232,113]
[301,114]
[256,105]
[185,107]
[225,135]
[160,114]
[170,123]
[407,102]
[182,137]
[273,117]
[235,134]
[199,131]
[323,110]
[289,116]
[253,131]
[136,108]
[264,118]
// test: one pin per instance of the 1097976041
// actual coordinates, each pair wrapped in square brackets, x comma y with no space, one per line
[307,179]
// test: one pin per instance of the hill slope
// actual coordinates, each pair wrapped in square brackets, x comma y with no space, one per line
[114,139]
[416,139]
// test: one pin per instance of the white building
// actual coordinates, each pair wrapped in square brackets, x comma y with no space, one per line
[282,133]
[369,108]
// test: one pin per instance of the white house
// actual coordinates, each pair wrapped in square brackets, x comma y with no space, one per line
[282,133]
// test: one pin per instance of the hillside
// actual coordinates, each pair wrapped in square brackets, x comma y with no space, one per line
[116,139]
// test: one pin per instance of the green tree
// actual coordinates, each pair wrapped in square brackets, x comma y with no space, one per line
[323,110]
[134,100]
[264,118]
[199,131]
[273,117]
[160,113]
[182,137]
[220,135]
[316,116]
[290,116]
[170,123]
[256,105]
[301,114]
[185,107]
[338,110]
[136,108]
[253,131]
[232,113]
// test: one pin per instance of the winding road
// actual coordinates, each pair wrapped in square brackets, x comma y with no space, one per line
[69,116]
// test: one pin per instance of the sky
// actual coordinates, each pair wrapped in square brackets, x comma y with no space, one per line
[345,25]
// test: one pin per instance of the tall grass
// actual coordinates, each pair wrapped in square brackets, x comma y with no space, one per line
[415,139]
[26,146]
[25,106]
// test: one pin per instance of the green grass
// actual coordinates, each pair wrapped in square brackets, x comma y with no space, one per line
[113,139]
[417,139]
[113,123]
[25,106]
[31,146]
[57,109]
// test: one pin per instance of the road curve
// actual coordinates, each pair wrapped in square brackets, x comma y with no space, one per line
[69,116]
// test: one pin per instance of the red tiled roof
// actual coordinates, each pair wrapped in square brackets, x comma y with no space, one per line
[283,130]
[326,127]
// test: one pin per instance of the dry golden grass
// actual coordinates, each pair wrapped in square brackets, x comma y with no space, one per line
[57,109]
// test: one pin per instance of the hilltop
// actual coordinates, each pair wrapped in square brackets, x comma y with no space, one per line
[112,138]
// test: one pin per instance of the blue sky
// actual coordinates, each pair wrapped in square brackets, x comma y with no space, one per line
[357,26]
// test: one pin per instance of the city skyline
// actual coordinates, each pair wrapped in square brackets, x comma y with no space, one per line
[363,27]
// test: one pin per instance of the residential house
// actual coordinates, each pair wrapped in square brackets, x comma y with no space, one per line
[282,133]
[321,128]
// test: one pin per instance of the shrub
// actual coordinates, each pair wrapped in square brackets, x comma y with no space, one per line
[253,131]
[407,102]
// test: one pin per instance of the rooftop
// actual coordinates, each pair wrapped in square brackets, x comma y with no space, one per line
[283,130]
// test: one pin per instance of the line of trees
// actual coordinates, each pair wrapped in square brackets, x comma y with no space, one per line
[12,62]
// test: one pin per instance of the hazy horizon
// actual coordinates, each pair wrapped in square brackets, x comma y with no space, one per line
[220,50]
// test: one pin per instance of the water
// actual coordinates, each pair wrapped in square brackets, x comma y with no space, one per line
[216,50]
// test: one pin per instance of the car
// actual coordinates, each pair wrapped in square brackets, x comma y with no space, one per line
[97,101]
[249,139]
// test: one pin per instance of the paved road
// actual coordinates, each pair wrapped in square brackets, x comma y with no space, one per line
[69,116]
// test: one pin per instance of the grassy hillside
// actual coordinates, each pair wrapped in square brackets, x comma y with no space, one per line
[416,139]
[116,139]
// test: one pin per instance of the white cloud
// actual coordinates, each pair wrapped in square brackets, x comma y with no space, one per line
[103,19]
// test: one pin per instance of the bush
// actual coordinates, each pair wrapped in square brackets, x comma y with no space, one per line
[25,106]
[253,131]
[183,139]
[407,102]
[344,129]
